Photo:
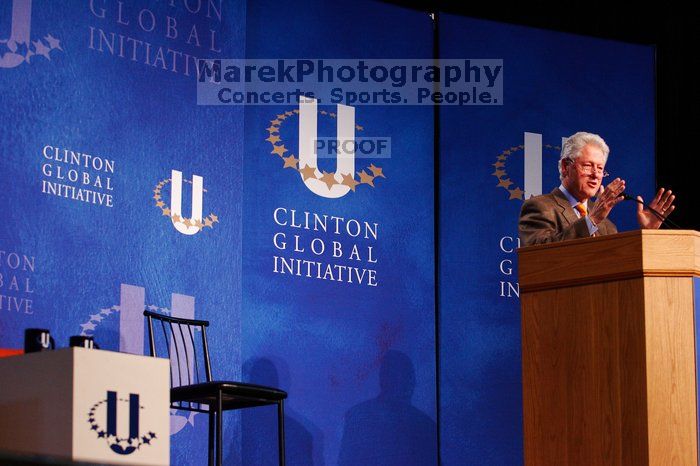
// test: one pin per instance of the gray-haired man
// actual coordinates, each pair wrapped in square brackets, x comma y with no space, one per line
[568,212]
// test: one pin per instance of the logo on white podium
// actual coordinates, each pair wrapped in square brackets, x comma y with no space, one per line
[103,417]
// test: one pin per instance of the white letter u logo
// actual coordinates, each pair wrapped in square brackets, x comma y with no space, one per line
[112,423]
[308,133]
[189,228]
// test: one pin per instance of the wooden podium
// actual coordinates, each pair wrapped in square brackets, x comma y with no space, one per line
[608,340]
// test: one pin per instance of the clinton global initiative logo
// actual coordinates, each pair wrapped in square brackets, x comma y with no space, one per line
[322,182]
[186,225]
[17,284]
[523,179]
[128,318]
[17,45]
[167,36]
[102,419]
[520,170]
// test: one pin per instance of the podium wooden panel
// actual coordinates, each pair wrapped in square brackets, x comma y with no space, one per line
[608,340]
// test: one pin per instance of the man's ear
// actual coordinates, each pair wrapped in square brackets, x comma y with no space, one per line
[565,164]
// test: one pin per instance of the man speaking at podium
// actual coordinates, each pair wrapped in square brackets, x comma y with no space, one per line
[568,212]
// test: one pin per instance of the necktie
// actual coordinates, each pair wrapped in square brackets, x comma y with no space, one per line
[581,209]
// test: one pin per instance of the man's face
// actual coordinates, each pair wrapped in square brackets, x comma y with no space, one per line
[583,177]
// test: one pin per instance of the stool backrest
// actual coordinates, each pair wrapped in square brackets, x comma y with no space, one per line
[177,339]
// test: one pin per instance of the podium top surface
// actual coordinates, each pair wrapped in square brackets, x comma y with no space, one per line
[633,254]
[69,358]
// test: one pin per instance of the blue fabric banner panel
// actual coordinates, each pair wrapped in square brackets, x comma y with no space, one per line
[554,85]
[119,192]
[338,275]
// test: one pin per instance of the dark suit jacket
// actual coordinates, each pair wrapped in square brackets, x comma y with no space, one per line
[550,217]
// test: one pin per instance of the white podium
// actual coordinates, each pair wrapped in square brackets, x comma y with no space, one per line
[86,405]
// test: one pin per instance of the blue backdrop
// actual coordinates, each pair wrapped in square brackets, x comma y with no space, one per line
[555,84]
[358,360]
[106,89]
[113,80]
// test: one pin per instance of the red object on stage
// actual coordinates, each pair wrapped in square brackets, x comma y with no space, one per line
[10,352]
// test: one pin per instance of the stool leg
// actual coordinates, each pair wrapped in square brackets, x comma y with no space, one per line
[280,431]
[212,416]
[219,416]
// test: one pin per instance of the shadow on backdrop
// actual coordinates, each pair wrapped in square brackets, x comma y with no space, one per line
[259,425]
[388,430]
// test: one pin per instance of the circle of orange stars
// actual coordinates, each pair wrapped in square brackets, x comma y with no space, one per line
[503,180]
[291,161]
[207,221]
